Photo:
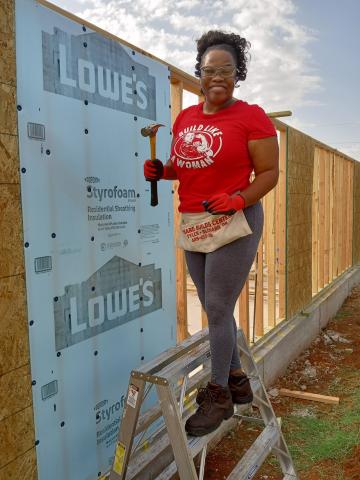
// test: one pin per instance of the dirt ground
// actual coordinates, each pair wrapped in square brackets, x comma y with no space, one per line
[324,440]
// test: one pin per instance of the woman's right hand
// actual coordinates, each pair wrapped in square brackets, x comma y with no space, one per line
[153,170]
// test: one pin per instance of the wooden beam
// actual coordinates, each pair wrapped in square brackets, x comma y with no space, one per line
[309,396]
[204,319]
[331,213]
[270,256]
[259,289]
[181,291]
[244,310]
[283,113]
[350,210]
[327,217]
[321,220]
[315,223]
[281,239]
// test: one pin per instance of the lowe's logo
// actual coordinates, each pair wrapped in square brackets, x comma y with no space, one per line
[117,293]
[97,69]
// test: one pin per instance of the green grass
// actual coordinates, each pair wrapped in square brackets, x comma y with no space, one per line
[330,436]
[343,314]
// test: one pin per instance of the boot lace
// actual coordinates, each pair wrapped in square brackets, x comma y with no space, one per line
[207,397]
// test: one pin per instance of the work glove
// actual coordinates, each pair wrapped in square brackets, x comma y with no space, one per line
[153,170]
[224,204]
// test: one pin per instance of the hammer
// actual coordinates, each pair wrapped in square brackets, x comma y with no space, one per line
[150,131]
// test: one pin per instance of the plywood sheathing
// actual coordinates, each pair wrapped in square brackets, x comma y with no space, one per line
[7,12]
[9,169]
[23,467]
[17,455]
[11,238]
[16,437]
[15,391]
[14,346]
[8,121]
[7,59]
[299,214]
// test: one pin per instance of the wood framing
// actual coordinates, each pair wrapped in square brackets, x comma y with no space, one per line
[332,216]
[299,214]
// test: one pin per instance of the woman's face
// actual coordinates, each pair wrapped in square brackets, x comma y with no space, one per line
[219,87]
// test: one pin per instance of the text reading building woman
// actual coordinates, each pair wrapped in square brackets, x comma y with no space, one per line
[216,145]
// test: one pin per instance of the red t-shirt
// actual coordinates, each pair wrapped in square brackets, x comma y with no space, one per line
[210,151]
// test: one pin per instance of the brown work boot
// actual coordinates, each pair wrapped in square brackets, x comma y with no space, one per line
[215,406]
[240,388]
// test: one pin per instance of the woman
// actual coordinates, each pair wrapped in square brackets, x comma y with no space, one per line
[216,145]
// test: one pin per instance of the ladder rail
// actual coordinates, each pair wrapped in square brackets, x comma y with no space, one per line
[176,432]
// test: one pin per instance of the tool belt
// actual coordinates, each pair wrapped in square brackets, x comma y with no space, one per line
[204,232]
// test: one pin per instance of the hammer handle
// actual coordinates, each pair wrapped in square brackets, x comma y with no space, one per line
[154,193]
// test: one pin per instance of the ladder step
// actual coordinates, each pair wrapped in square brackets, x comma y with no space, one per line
[149,459]
[174,353]
[187,364]
[256,454]
[196,444]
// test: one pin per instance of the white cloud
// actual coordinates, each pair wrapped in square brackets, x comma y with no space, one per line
[281,74]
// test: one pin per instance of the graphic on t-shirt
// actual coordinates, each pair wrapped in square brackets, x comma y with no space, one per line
[197,146]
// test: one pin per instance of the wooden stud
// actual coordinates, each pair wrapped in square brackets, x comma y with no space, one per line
[277,227]
[244,310]
[281,242]
[337,215]
[259,310]
[342,198]
[204,319]
[321,220]
[331,218]
[351,211]
[327,167]
[271,257]
[181,291]
[315,232]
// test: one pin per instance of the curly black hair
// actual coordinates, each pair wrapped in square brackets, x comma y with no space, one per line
[236,44]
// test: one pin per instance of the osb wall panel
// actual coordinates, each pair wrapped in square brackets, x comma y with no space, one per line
[16,436]
[7,17]
[9,170]
[17,452]
[15,391]
[356,230]
[7,58]
[14,345]
[22,468]
[299,214]
[8,110]
[11,238]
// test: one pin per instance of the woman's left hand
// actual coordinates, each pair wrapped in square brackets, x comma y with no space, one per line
[224,204]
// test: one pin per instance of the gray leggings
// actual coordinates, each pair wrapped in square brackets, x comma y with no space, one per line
[219,278]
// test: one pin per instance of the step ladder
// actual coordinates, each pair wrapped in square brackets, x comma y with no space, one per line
[167,450]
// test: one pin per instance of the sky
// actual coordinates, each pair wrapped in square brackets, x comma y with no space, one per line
[305,54]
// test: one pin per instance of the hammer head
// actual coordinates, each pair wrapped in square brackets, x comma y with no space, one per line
[150,130]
